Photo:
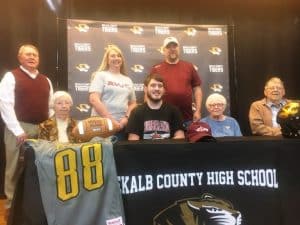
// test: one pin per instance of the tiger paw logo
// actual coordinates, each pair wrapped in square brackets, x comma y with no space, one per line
[216,87]
[215,50]
[137,68]
[83,107]
[207,210]
[109,46]
[161,50]
[82,27]
[190,31]
[82,67]
[137,30]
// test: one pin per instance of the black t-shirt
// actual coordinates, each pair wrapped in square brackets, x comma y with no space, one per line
[150,123]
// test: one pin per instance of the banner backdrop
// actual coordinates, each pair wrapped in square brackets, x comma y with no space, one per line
[206,46]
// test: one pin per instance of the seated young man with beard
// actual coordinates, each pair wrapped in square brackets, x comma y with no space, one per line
[155,119]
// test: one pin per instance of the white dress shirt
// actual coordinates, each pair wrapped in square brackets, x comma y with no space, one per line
[275,109]
[7,100]
[62,126]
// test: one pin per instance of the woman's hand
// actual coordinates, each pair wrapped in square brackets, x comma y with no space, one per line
[123,122]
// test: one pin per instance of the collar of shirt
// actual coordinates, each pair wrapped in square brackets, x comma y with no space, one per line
[275,109]
[32,75]
[272,105]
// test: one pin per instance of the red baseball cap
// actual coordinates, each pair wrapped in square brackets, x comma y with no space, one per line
[199,131]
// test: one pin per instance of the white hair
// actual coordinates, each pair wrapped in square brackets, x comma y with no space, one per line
[215,98]
[274,80]
[59,94]
[22,48]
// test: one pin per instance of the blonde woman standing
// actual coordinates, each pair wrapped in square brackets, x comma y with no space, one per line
[112,93]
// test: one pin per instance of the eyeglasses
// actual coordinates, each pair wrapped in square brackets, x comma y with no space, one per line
[219,105]
[272,88]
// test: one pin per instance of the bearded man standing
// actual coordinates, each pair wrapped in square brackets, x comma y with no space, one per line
[182,82]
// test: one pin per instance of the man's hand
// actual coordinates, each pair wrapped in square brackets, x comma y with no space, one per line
[196,116]
[123,122]
[21,138]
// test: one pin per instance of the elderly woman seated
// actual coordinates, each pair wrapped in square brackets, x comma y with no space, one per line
[60,125]
[221,125]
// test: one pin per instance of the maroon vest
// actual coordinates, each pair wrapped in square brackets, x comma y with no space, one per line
[31,97]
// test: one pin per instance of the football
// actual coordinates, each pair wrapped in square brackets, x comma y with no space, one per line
[95,126]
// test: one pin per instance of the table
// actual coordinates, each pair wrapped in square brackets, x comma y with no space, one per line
[255,178]
[233,181]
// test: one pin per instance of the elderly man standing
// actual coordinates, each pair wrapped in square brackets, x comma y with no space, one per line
[263,113]
[24,103]
[182,81]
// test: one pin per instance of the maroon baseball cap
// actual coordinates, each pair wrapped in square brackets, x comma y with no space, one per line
[199,131]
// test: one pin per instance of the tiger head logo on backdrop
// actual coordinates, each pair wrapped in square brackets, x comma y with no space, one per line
[207,210]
